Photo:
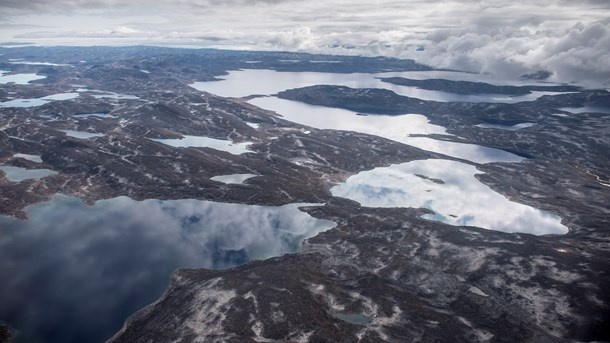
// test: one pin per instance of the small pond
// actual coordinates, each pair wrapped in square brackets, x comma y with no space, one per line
[18,174]
[233,178]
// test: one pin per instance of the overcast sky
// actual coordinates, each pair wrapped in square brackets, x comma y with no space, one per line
[569,38]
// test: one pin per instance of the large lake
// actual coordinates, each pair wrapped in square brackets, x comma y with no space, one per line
[74,273]
[19,79]
[397,128]
[241,83]
[448,188]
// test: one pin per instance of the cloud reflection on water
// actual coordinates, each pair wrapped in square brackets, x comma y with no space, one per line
[459,200]
[18,79]
[73,273]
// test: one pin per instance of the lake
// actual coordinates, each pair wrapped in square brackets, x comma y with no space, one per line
[233,178]
[450,189]
[81,134]
[515,127]
[35,102]
[33,158]
[19,79]
[586,109]
[239,83]
[99,94]
[18,174]
[103,115]
[74,273]
[397,128]
[206,142]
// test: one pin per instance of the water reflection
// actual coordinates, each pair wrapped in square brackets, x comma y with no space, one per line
[40,63]
[449,189]
[99,94]
[33,158]
[112,95]
[17,174]
[81,134]
[95,114]
[34,102]
[241,83]
[19,79]
[207,142]
[233,178]
[73,273]
[506,127]
[586,109]
[396,128]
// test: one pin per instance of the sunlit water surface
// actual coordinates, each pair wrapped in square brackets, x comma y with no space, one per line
[35,102]
[82,134]
[19,79]
[397,128]
[93,114]
[233,178]
[241,83]
[33,158]
[515,127]
[450,189]
[18,174]
[586,109]
[207,142]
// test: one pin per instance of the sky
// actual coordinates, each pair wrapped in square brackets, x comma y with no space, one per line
[570,38]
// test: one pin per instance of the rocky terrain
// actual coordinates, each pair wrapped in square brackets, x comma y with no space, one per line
[382,274]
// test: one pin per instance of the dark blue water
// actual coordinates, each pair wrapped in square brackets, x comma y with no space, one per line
[74,273]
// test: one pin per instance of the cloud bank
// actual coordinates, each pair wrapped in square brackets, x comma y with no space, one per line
[570,39]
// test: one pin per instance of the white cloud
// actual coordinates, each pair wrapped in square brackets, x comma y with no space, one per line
[582,51]
[499,36]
